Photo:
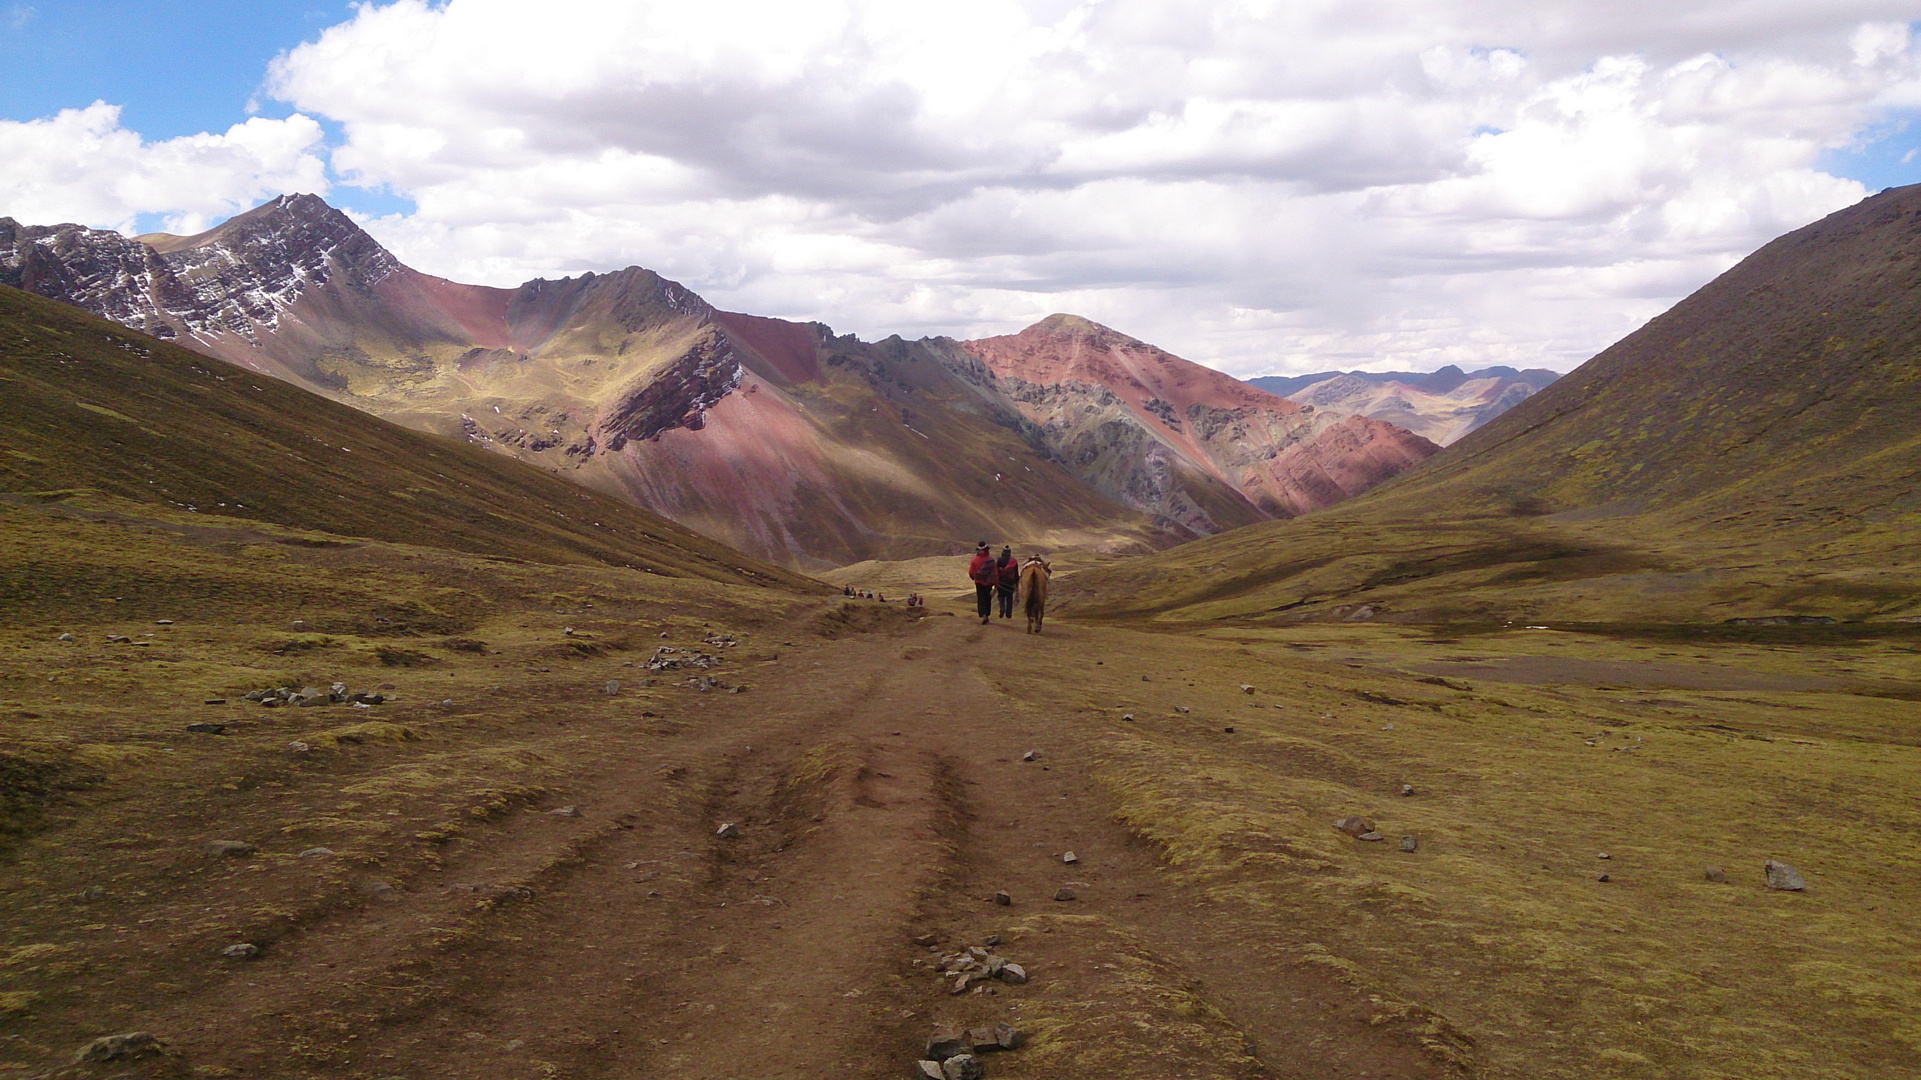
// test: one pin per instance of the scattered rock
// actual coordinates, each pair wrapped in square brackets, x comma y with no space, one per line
[315,853]
[1063,893]
[1354,825]
[962,1067]
[991,940]
[1410,843]
[311,696]
[297,626]
[1007,1037]
[1182,709]
[1604,855]
[1127,716]
[927,941]
[381,890]
[1407,790]
[1603,877]
[1370,836]
[928,1070]
[728,831]
[1782,876]
[1229,729]
[119,639]
[1716,874]
[1146,679]
[1387,727]
[297,748]
[1013,973]
[1246,689]
[208,729]
[66,637]
[945,1042]
[613,687]
[1003,899]
[163,622]
[229,848]
[1031,755]
[1070,858]
[243,951]
[566,811]
[113,1047]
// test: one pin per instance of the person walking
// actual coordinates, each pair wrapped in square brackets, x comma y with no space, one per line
[1007,575]
[985,576]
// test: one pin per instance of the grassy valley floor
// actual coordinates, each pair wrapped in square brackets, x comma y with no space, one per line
[424,903]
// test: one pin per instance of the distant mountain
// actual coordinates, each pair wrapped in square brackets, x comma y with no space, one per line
[790,442]
[1442,405]
[1183,441]
[1755,451]
[88,408]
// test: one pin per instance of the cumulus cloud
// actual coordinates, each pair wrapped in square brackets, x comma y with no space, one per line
[1258,184]
[80,165]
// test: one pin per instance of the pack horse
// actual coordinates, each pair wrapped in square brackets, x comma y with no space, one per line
[1033,591]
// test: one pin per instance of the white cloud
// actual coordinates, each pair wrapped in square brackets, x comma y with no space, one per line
[1260,184]
[80,165]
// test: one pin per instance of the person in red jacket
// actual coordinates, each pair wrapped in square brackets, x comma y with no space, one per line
[1007,576]
[985,576]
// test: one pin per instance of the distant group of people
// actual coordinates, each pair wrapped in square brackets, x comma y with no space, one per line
[996,578]
[913,599]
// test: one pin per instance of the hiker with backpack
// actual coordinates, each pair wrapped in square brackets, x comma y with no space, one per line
[985,576]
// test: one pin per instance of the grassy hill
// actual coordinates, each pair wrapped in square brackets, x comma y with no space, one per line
[104,420]
[1755,451]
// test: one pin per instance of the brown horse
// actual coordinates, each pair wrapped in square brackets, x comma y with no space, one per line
[1033,591]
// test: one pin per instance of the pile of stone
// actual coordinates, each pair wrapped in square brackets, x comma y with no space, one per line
[721,641]
[977,965]
[954,1054]
[670,658]
[308,696]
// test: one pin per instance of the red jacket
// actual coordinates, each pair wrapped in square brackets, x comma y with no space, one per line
[981,571]
[1010,571]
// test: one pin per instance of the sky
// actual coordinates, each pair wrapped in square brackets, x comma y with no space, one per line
[1265,186]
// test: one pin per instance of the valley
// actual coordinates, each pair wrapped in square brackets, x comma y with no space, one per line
[341,745]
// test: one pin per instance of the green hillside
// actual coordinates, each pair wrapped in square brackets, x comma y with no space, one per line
[1755,451]
[105,420]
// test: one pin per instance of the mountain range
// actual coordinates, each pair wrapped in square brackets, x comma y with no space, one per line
[1442,405]
[1753,453]
[782,439]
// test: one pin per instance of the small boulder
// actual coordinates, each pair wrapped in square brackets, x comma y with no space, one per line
[233,849]
[962,1067]
[1031,755]
[1070,858]
[1782,876]
[1370,836]
[565,811]
[1127,717]
[1182,709]
[297,748]
[1013,973]
[1407,790]
[928,1070]
[1003,898]
[66,637]
[1604,877]
[114,1047]
[1246,689]
[243,951]
[316,853]
[1717,875]
[927,940]
[1410,843]
[1063,893]
[1354,825]
[1007,1036]
[728,831]
[613,687]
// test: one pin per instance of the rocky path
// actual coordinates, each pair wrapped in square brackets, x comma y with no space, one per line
[877,794]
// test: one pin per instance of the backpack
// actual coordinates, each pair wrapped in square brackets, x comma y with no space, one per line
[985,573]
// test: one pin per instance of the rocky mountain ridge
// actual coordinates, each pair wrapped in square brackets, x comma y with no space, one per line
[1442,405]
[783,439]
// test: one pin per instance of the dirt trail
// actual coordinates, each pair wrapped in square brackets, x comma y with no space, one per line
[879,793]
